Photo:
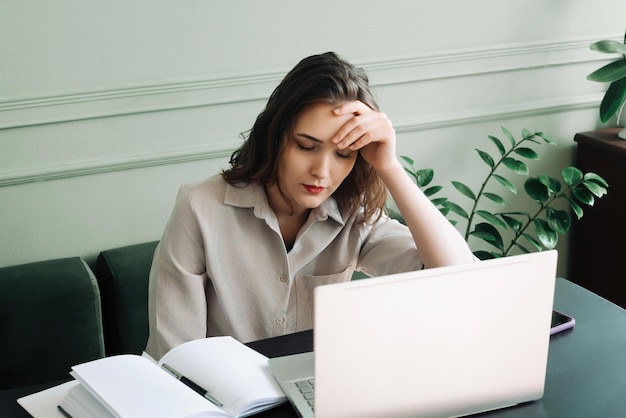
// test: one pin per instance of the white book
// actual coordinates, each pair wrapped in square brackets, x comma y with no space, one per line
[236,377]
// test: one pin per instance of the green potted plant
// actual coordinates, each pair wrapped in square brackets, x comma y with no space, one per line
[615,74]
[508,230]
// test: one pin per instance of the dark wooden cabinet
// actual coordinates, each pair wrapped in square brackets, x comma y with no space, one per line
[598,240]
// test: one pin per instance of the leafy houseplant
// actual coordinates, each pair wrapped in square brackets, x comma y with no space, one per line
[614,73]
[527,231]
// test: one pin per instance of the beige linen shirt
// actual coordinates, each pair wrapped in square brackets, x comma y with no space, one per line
[222,268]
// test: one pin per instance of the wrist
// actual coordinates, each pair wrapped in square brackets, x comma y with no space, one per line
[394,168]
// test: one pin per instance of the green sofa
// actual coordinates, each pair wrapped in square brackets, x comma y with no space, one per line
[50,319]
[123,275]
[58,313]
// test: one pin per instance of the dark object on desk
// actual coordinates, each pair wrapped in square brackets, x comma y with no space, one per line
[193,385]
[561,322]
[597,238]
[50,320]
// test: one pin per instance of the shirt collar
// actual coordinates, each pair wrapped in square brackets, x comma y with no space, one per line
[253,196]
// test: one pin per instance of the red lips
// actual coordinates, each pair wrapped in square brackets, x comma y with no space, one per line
[314,189]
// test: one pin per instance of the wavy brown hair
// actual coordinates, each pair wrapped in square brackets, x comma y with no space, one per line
[323,78]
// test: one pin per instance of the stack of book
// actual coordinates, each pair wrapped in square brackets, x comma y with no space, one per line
[212,377]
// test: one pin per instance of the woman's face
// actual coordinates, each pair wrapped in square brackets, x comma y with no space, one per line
[312,167]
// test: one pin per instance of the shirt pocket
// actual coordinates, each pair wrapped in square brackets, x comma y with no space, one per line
[305,285]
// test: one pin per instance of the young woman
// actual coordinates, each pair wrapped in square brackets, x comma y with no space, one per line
[301,205]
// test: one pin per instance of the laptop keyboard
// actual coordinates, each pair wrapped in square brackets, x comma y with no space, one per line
[307,389]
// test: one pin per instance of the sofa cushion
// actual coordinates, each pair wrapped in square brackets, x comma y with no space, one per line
[50,320]
[123,275]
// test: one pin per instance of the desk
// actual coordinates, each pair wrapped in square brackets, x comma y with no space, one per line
[586,366]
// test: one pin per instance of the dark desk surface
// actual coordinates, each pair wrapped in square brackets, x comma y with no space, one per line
[586,366]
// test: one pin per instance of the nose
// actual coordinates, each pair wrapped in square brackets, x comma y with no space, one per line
[321,166]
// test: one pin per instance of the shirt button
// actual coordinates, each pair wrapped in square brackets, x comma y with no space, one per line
[283,278]
[279,320]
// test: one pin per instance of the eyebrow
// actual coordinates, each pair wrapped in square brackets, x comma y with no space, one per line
[312,138]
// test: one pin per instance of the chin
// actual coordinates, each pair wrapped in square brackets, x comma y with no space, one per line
[312,202]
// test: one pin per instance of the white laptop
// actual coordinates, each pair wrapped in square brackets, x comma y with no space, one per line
[441,342]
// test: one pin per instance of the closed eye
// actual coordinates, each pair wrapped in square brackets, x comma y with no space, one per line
[346,156]
[308,139]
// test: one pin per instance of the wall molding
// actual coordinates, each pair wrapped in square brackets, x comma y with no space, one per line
[225,148]
[67,107]
[517,111]
[61,108]
[91,167]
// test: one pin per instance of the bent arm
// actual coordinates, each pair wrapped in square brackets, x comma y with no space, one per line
[437,240]
[371,132]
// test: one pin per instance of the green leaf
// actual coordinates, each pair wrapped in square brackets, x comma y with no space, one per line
[453,207]
[438,201]
[520,213]
[466,191]
[495,198]
[485,236]
[529,153]
[484,255]
[513,223]
[498,144]
[432,190]
[533,140]
[583,195]
[595,188]
[411,173]
[407,160]
[508,135]
[575,207]
[425,176]
[547,139]
[571,175]
[491,218]
[596,178]
[486,158]
[545,234]
[609,73]
[516,166]
[553,185]
[506,183]
[608,47]
[489,234]
[559,220]
[613,99]
[536,190]
[533,241]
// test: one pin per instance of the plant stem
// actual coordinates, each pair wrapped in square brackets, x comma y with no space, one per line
[484,185]
[478,196]
[542,207]
[521,231]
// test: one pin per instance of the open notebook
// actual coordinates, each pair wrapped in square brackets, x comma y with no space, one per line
[440,342]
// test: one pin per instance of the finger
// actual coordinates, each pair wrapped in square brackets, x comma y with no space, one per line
[355,107]
[354,129]
[370,127]
[363,136]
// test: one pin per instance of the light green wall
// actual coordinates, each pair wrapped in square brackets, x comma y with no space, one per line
[107,107]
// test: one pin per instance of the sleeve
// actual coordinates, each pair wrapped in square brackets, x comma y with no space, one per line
[388,248]
[177,299]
